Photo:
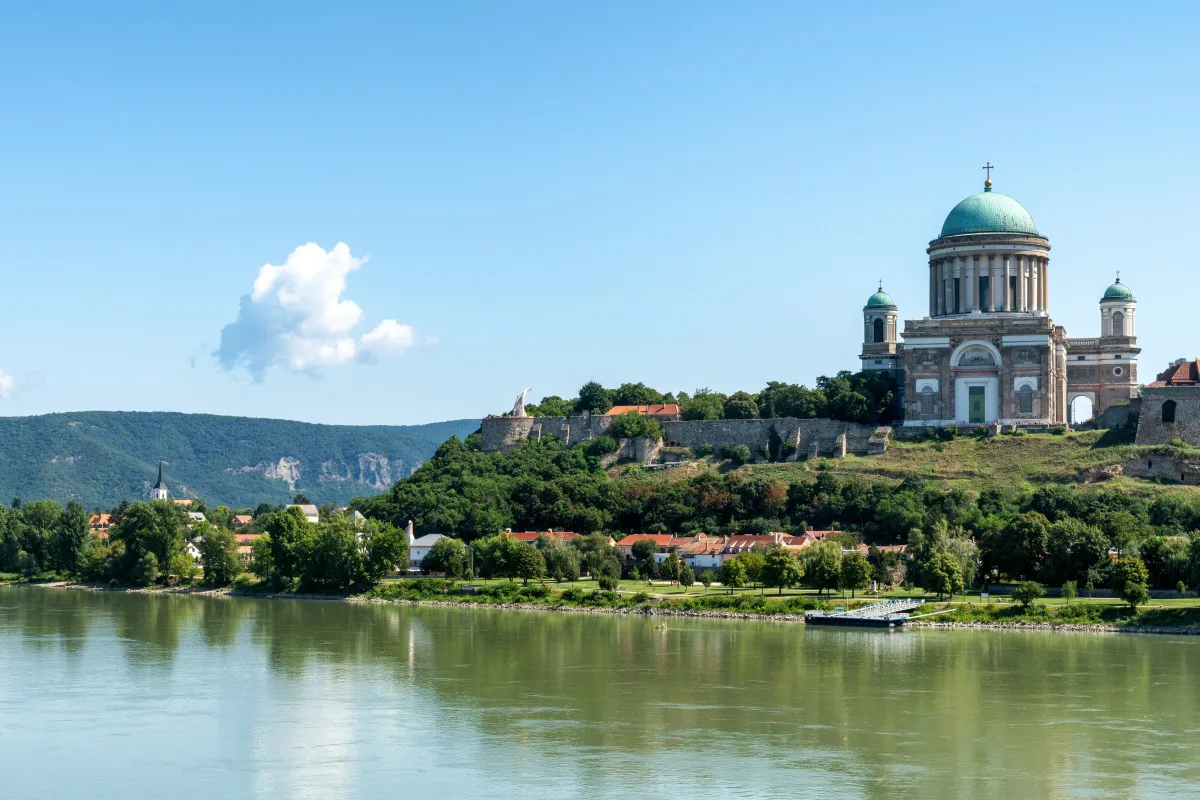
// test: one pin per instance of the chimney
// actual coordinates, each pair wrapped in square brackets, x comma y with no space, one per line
[409,530]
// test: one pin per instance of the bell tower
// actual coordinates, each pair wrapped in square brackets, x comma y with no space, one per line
[880,322]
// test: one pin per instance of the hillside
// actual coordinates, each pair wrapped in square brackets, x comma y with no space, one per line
[1005,462]
[103,457]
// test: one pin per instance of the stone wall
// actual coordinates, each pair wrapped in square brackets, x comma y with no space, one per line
[809,436]
[1152,429]
[1172,469]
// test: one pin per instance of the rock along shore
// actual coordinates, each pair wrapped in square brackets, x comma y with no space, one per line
[644,611]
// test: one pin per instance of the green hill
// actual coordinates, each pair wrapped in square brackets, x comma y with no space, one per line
[103,457]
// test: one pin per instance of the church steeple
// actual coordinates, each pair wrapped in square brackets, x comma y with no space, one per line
[159,492]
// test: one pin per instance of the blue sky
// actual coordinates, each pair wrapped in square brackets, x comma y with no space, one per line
[686,194]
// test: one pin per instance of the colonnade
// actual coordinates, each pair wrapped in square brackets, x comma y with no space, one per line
[1030,292]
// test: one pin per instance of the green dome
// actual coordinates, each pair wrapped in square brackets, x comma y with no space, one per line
[988,212]
[1118,291]
[881,299]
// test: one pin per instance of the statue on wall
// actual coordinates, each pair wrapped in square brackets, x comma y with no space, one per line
[518,409]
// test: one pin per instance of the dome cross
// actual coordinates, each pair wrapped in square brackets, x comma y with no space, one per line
[987,182]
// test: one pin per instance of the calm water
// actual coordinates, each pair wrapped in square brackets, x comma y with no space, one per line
[106,695]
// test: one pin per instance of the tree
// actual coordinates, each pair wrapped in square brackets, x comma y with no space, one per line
[631,425]
[71,538]
[301,499]
[182,568]
[529,563]
[644,551]
[594,398]
[733,574]
[823,566]
[145,570]
[563,562]
[552,406]
[262,561]
[943,574]
[753,561]
[290,538]
[686,576]
[218,555]
[155,527]
[780,568]
[1069,591]
[1027,592]
[739,454]
[741,405]
[1128,578]
[1020,547]
[448,555]
[706,578]
[636,394]
[385,547]
[856,571]
[704,405]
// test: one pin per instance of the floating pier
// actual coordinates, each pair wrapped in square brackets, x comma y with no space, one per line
[884,614]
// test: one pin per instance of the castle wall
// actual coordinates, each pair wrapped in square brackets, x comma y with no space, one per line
[810,436]
[1151,428]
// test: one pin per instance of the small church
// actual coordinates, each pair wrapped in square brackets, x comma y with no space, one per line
[988,350]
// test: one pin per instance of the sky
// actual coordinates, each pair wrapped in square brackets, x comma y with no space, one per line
[404,212]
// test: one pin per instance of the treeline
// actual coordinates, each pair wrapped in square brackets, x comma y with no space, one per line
[1051,534]
[156,543]
[868,397]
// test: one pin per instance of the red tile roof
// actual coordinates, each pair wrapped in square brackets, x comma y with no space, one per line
[1181,373]
[532,536]
[246,538]
[652,410]
[660,539]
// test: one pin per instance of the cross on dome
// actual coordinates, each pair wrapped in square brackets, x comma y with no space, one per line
[987,181]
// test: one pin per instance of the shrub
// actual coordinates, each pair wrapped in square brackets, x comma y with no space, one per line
[633,425]
[572,595]
[704,450]
[607,583]
[243,582]
[640,597]
[534,593]
[1027,592]
[1058,430]
[145,571]
[739,454]
[601,445]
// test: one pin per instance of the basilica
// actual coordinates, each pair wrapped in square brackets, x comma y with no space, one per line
[988,350]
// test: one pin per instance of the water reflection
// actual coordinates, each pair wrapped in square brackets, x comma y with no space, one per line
[310,698]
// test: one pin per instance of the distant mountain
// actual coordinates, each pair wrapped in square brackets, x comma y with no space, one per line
[102,457]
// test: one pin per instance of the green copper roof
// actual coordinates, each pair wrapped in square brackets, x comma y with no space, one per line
[988,212]
[1118,291]
[881,299]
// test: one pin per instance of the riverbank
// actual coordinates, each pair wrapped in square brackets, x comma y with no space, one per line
[1079,618]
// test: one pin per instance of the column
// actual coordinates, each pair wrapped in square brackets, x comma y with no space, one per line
[933,288]
[1046,284]
[996,301]
[944,290]
[1022,285]
[1008,299]
[978,269]
[966,291]
[1037,283]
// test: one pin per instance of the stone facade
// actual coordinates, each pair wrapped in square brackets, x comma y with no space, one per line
[808,436]
[988,351]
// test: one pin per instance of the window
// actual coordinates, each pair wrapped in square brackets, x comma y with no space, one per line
[927,401]
[1118,324]
[1118,371]
[1168,412]
[1025,399]
[1012,292]
[877,325]
[1081,358]
[985,298]
[956,295]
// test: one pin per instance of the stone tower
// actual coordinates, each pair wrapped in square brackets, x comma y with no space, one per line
[880,330]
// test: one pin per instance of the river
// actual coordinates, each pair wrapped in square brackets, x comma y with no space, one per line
[132,695]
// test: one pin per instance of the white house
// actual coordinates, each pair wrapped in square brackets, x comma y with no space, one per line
[197,516]
[419,548]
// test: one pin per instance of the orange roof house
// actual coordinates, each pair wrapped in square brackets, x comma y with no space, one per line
[657,410]
[1180,373]
[238,521]
[532,536]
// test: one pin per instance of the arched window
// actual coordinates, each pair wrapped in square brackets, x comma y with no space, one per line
[928,401]
[1025,399]
[878,327]
[1168,412]
[977,357]
[1118,324]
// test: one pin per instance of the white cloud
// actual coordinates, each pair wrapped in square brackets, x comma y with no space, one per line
[296,318]
[7,385]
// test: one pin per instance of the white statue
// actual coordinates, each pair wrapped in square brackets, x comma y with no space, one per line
[518,409]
